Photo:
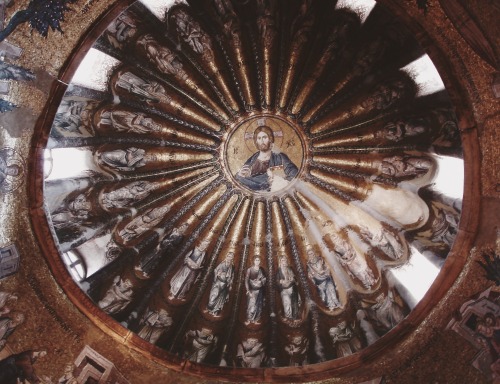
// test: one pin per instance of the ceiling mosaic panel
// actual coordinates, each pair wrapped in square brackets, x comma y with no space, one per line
[254,184]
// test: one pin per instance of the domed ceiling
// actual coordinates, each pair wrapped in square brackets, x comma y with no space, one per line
[253,183]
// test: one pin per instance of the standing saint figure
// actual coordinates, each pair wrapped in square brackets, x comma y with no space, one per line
[117,297]
[386,311]
[223,278]
[125,159]
[154,324]
[183,280]
[297,350]
[251,353]
[320,275]
[387,241]
[344,339]
[289,290]
[127,195]
[147,221]
[148,264]
[203,342]
[255,280]
[356,265]
[257,172]
[130,122]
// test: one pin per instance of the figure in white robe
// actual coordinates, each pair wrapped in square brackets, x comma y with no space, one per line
[386,311]
[124,159]
[344,340]
[125,196]
[287,283]
[255,281]
[223,278]
[154,324]
[251,354]
[297,350]
[185,277]
[202,343]
[147,221]
[117,297]
[355,264]
[321,276]
[386,241]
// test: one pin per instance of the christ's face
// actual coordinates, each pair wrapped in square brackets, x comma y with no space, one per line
[263,142]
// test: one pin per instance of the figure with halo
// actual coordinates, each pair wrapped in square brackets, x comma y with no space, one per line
[266,170]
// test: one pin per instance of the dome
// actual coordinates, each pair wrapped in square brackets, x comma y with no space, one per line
[252,186]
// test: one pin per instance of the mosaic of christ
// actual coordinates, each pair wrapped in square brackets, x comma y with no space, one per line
[271,157]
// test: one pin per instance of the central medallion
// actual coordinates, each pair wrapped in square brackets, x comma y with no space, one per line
[264,154]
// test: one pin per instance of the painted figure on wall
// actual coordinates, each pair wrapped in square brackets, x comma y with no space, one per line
[356,265]
[228,19]
[75,211]
[255,280]
[117,297]
[149,90]
[130,122]
[202,343]
[344,340]
[19,367]
[68,376]
[386,312]
[185,277]
[154,324]
[445,224]
[251,354]
[127,195]
[125,159]
[287,283]
[320,275]
[6,297]
[488,335]
[148,264]
[7,170]
[258,172]
[121,30]
[266,20]
[405,167]
[144,222]
[165,60]
[223,278]
[365,324]
[190,32]
[387,241]
[402,129]
[74,115]
[8,324]
[11,170]
[297,350]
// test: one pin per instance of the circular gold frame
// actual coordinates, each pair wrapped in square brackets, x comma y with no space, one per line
[339,367]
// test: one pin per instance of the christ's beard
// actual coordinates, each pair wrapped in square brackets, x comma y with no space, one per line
[264,147]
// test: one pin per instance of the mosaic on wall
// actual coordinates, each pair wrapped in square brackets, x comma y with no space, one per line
[243,183]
